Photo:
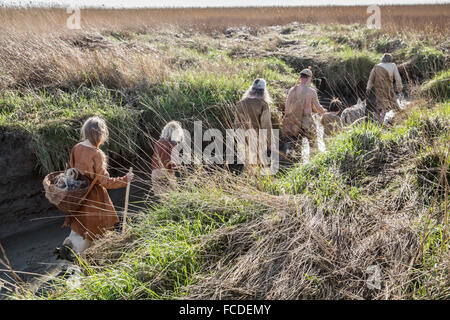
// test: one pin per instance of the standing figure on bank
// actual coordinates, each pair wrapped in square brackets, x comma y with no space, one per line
[163,168]
[253,112]
[298,121]
[381,80]
[97,215]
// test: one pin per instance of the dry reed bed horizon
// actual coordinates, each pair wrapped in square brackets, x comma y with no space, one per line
[419,18]
[32,61]
[38,50]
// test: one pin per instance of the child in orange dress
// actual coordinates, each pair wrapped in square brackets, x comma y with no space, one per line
[163,168]
[97,215]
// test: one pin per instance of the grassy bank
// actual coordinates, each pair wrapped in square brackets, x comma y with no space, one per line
[376,197]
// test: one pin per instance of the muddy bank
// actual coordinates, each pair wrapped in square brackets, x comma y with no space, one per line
[31,253]
[23,205]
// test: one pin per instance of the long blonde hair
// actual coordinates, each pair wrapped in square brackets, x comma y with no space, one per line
[95,130]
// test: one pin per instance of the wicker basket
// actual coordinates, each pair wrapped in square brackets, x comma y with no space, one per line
[66,200]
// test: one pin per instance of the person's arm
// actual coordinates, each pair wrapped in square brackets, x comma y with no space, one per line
[325,119]
[236,119]
[289,101]
[103,175]
[171,165]
[339,123]
[370,82]
[316,104]
[398,79]
[72,160]
[240,118]
[266,122]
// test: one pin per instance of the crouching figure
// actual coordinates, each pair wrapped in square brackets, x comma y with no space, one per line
[163,168]
[331,121]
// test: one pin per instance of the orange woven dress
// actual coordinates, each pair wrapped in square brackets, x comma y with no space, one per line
[163,169]
[97,214]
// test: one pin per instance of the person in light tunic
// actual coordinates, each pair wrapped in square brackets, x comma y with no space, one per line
[381,81]
[298,121]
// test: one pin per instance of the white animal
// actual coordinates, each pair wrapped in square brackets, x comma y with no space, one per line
[68,180]
[76,242]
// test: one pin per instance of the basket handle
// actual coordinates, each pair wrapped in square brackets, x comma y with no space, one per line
[89,190]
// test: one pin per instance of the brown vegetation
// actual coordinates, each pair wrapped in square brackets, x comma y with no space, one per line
[33,61]
[413,18]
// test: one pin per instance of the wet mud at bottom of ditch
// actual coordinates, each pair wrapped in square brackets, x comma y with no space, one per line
[30,252]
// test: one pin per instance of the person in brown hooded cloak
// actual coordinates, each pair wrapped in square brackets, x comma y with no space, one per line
[253,112]
[163,168]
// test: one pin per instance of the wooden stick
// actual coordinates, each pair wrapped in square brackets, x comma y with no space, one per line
[127,195]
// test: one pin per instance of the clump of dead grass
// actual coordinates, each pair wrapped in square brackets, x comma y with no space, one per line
[68,63]
[334,249]
[302,253]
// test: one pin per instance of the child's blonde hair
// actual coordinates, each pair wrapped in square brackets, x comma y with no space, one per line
[173,132]
[95,130]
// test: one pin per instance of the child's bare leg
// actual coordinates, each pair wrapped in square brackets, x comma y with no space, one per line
[76,242]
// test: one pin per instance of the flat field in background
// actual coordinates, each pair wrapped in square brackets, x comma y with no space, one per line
[393,18]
